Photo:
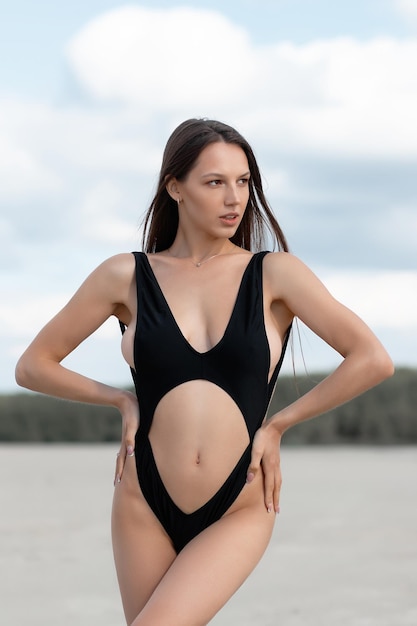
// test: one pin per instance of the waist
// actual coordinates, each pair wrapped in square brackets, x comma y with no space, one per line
[191,482]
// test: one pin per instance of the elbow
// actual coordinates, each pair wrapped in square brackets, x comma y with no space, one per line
[389,368]
[381,365]
[23,374]
[20,373]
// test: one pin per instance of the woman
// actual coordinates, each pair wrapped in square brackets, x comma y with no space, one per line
[205,324]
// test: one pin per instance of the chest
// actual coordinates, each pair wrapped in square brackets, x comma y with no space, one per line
[200,302]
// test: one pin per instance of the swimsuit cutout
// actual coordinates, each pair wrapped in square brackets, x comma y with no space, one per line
[239,364]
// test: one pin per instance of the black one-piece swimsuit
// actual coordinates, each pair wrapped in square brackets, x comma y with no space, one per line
[239,364]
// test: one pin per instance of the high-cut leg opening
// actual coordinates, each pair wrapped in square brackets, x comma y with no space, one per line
[208,503]
[183,527]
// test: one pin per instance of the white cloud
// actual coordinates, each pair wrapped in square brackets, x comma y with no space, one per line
[99,216]
[398,228]
[6,229]
[339,96]
[408,8]
[162,58]
[40,136]
[23,173]
[383,299]
[276,182]
[56,162]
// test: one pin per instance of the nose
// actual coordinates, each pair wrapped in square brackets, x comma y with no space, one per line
[232,195]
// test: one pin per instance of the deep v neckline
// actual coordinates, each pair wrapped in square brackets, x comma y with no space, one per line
[176,325]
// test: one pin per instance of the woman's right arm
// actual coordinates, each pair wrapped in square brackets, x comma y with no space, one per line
[106,292]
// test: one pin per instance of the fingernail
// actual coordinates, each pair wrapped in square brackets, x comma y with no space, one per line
[277,510]
[269,509]
[129,450]
[118,479]
[250,477]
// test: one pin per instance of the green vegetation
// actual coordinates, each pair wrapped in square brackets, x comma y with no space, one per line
[384,415]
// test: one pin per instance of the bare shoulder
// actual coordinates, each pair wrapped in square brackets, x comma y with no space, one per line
[107,287]
[114,274]
[120,266]
[283,271]
[282,261]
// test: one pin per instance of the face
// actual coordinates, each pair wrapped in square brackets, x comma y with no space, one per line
[214,195]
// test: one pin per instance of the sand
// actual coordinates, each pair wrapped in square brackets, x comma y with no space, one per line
[343,553]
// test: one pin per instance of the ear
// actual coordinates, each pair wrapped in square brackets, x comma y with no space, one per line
[172,188]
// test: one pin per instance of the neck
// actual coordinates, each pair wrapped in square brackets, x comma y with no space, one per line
[200,251]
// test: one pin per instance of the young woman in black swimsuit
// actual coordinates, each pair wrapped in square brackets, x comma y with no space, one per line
[205,317]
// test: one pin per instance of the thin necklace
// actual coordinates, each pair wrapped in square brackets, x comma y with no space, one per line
[200,263]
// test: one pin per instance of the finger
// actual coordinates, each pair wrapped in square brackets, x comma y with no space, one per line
[129,442]
[269,486]
[277,489]
[127,450]
[119,467]
[255,464]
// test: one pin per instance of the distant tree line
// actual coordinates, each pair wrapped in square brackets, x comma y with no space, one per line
[385,415]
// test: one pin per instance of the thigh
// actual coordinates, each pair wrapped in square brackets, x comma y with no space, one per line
[142,550]
[208,571]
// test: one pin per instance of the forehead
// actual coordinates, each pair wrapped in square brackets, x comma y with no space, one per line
[222,157]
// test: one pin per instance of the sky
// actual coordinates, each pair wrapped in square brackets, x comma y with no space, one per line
[325,92]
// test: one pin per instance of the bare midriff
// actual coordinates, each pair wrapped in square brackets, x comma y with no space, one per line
[197,436]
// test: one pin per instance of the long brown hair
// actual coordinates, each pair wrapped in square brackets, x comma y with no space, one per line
[181,152]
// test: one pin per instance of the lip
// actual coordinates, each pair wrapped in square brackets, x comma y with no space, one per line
[229,217]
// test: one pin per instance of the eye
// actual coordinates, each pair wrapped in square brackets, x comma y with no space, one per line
[243,181]
[214,183]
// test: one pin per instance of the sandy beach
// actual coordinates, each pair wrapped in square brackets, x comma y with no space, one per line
[344,550]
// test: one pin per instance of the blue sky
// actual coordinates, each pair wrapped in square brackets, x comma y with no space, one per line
[325,91]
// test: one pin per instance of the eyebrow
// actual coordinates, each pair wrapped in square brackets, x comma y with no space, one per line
[217,175]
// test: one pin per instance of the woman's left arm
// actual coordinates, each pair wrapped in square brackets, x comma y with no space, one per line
[365,361]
